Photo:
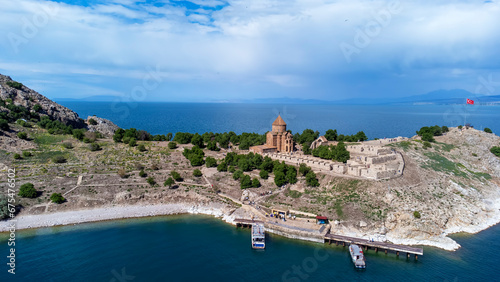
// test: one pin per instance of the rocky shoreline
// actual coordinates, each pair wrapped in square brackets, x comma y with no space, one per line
[225,213]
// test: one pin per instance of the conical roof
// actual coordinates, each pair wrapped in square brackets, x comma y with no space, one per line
[279,121]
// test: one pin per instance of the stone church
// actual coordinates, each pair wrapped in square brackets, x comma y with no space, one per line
[277,140]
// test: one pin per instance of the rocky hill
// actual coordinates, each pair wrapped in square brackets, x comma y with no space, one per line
[28,98]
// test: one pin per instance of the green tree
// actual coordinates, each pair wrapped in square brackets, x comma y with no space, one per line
[306,148]
[361,136]
[141,148]
[264,174]
[26,154]
[17,156]
[177,177]
[57,198]
[244,165]
[291,175]
[169,136]
[237,174]
[255,183]
[172,145]
[197,140]
[279,178]
[304,169]
[169,182]
[416,214]
[212,146]
[197,173]
[27,190]
[341,153]
[245,182]
[92,121]
[311,179]
[210,162]
[428,137]
[22,135]
[331,135]
[487,130]
[427,145]
[222,166]
[4,125]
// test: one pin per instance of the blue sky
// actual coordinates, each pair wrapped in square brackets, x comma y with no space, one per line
[218,50]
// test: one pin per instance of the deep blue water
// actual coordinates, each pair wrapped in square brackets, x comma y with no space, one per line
[201,248]
[376,121]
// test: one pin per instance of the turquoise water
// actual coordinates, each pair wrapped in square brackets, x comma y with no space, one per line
[202,248]
[377,121]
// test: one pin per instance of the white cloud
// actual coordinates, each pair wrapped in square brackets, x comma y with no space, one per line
[288,43]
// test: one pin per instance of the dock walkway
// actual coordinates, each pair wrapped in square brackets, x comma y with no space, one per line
[374,244]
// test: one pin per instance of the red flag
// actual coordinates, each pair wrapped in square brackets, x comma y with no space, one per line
[470,102]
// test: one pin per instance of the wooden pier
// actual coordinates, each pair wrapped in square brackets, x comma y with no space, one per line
[377,246]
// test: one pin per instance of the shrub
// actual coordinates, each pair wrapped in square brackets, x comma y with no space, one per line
[27,190]
[487,130]
[264,174]
[151,181]
[304,169]
[172,145]
[142,173]
[132,142]
[37,108]
[22,135]
[210,162]
[122,173]
[4,207]
[57,198]
[17,157]
[416,214]
[141,148]
[197,173]
[428,137]
[94,147]
[496,151]
[68,145]
[175,175]
[460,127]
[169,182]
[15,84]
[59,159]
[27,154]
[4,125]
[427,145]
[92,121]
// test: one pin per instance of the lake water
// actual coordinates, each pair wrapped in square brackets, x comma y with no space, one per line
[377,121]
[202,248]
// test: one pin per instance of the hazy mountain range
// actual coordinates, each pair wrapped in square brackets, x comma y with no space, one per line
[441,97]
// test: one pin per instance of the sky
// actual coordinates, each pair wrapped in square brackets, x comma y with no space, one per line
[216,50]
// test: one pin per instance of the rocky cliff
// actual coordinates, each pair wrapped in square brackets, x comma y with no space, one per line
[28,98]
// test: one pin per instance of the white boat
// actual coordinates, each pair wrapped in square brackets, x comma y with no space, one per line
[258,236]
[357,256]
